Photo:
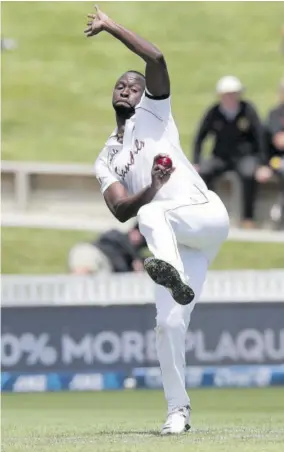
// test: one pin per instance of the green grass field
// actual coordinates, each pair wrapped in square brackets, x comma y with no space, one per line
[35,251]
[223,420]
[56,86]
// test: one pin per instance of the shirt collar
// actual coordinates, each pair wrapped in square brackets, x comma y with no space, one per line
[229,114]
[112,139]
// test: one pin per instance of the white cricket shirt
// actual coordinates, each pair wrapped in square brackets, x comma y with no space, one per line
[151,131]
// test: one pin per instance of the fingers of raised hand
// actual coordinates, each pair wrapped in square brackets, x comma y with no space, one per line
[88,32]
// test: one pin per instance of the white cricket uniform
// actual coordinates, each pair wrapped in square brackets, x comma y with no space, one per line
[185,224]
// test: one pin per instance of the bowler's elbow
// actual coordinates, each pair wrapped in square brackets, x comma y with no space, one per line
[158,58]
[120,214]
[121,218]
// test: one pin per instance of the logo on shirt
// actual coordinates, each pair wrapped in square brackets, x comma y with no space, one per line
[123,171]
[111,155]
[243,124]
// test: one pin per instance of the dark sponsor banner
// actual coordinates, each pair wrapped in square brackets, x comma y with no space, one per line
[121,338]
[147,377]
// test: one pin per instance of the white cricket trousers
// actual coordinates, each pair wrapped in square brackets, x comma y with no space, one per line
[188,234]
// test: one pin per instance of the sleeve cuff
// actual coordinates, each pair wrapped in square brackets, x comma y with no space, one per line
[150,96]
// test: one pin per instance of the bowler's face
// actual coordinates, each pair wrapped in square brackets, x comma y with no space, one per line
[127,92]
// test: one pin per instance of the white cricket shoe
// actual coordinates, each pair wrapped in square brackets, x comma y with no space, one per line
[177,421]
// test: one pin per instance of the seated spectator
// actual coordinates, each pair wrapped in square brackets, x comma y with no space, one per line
[275,144]
[238,144]
[114,251]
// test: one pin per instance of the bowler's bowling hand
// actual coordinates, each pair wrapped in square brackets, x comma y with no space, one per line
[96,24]
[160,174]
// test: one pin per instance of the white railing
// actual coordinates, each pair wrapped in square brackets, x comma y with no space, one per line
[221,286]
[49,205]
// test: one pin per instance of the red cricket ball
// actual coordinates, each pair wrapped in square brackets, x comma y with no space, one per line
[166,162]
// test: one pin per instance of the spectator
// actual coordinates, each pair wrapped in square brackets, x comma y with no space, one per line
[238,143]
[114,251]
[275,144]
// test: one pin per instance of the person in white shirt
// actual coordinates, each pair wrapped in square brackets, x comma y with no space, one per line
[184,223]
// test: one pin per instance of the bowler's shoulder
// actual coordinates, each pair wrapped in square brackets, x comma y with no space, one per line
[101,159]
[158,107]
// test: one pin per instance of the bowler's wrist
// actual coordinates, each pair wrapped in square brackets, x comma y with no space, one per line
[153,189]
[109,25]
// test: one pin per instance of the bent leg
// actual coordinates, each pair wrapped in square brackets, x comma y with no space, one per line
[159,234]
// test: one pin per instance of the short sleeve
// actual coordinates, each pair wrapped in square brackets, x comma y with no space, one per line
[104,175]
[158,106]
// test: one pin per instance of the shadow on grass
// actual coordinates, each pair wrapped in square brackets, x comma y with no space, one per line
[128,433]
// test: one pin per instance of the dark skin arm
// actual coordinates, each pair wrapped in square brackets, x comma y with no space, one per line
[157,77]
[123,206]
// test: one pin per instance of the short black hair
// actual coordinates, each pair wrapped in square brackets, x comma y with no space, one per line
[139,75]
[135,72]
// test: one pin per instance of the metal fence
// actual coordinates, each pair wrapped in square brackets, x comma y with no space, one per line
[220,286]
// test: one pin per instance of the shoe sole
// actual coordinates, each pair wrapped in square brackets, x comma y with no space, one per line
[166,275]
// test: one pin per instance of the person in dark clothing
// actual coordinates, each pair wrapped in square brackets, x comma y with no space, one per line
[123,250]
[275,143]
[113,251]
[238,145]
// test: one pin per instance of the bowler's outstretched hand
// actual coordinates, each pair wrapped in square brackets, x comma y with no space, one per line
[96,24]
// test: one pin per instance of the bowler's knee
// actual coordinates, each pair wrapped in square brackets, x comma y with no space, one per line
[170,324]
